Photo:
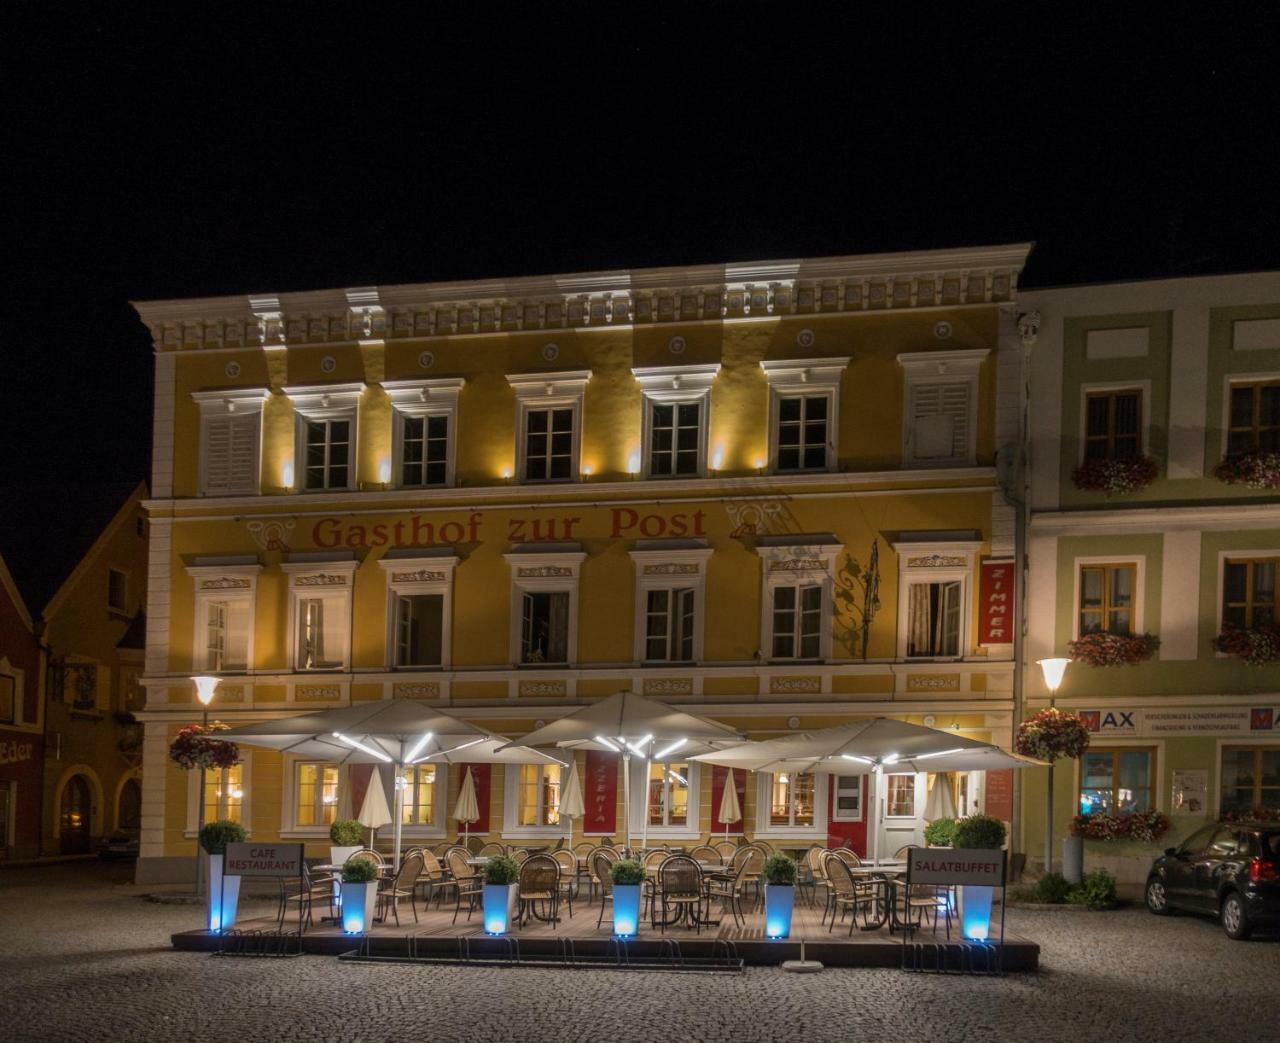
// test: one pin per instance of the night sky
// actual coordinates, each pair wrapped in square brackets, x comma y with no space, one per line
[267,147]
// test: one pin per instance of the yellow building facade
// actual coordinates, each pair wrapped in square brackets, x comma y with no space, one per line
[766,493]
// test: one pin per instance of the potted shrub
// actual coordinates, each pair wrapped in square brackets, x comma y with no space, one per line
[359,891]
[500,875]
[347,837]
[224,891]
[977,833]
[628,875]
[779,895]
[940,832]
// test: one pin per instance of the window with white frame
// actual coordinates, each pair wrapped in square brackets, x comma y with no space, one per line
[423,796]
[670,592]
[848,798]
[315,794]
[544,603]
[676,419]
[325,453]
[226,793]
[804,413]
[548,424]
[419,610]
[668,793]
[791,803]
[934,580]
[230,441]
[224,615]
[320,613]
[900,795]
[940,408]
[796,612]
[531,807]
[425,430]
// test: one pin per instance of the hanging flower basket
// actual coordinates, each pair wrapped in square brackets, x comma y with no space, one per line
[1257,470]
[1051,734]
[1146,826]
[1257,646]
[192,748]
[1103,649]
[1117,477]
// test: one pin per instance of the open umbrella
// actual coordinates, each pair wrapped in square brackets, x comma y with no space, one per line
[730,811]
[868,748]
[572,804]
[398,732]
[941,803]
[467,810]
[374,812]
[631,725]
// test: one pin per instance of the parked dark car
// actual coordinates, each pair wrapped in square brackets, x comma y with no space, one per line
[1231,870]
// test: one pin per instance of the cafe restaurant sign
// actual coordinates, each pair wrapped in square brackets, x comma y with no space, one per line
[936,865]
[263,860]
[1184,720]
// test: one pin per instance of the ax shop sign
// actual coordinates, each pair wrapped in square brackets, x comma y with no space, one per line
[995,603]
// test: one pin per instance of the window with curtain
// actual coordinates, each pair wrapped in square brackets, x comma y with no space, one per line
[797,622]
[668,793]
[321,640]
[420,795]
[1249,592]
[933,619]
[1113,424]
[669,626]
[419,629]
[900,796]
[1254,421]
[1106,598]
[539,795]
[224,794]
[1116,780]
[544,627]
[791,799]
[1250,778]
[315,793]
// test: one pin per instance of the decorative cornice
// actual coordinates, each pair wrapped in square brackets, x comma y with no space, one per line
[753,290]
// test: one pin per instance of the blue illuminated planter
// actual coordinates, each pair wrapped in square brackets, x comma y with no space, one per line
[626,910]
[975,912]
[499,900]
[359,903]
[779,900]
[224,896]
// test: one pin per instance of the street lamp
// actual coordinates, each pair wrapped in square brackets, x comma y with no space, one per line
[205,687]
[1053,670]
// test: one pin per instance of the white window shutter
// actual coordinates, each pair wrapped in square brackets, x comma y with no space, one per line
[940,422]
[230,454]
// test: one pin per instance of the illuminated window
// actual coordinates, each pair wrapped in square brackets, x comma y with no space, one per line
[940,407]
[791,799]
[1113,424]
[1250,778]
[325,449]
[548,424]
[668,790]
[1106,598]
[424,446]
[539,795]
[934,618]
[900,796]
[224,794]
[548,445]
[1116,780]
[420,795]
[676,404]
[1249,592]
[315,793]
[544,604]
[1254,421]
[320,606]
[803,432]
[424,429]
[224,612]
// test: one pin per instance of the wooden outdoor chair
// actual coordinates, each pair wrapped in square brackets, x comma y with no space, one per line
[568,863]
[679,889]
[726,849]
[602,877]
[845,894]
[403,885]
[539,882]
[467,883]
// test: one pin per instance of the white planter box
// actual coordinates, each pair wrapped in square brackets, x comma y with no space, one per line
[338,855]
[224,896]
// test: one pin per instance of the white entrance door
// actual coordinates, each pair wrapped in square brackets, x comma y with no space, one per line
[901,804]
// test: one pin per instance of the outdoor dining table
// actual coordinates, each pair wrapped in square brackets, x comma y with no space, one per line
[336,870]
[886,878]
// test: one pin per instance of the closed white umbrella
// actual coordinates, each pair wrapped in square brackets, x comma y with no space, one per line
[571,803]
[631,725]
[730,811]
[344,810]
[374,812]
[467,810]
[941,802]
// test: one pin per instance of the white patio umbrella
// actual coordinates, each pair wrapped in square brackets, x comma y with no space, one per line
[869,748]
[374,811]
[631,725]
[941,802]
[467,810]
[730,811]
[398,732]
[572,804]
[344,810]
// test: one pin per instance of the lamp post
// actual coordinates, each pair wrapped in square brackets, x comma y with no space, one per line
[1053,669]
[205,687]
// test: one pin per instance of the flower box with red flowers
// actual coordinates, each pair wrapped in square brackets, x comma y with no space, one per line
[192,748]
[1260,470]
[1145,826]
[1052,733]
[1255,645]
[1103,649]
[1115,477]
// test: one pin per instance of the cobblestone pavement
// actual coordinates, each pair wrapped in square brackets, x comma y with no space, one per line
[83,958]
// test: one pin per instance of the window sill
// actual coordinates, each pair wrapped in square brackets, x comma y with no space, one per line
[797,833]
[534,833]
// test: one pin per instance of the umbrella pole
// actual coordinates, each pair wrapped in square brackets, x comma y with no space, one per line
[875,818]
[626,797]
[644,809]
[399,813]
